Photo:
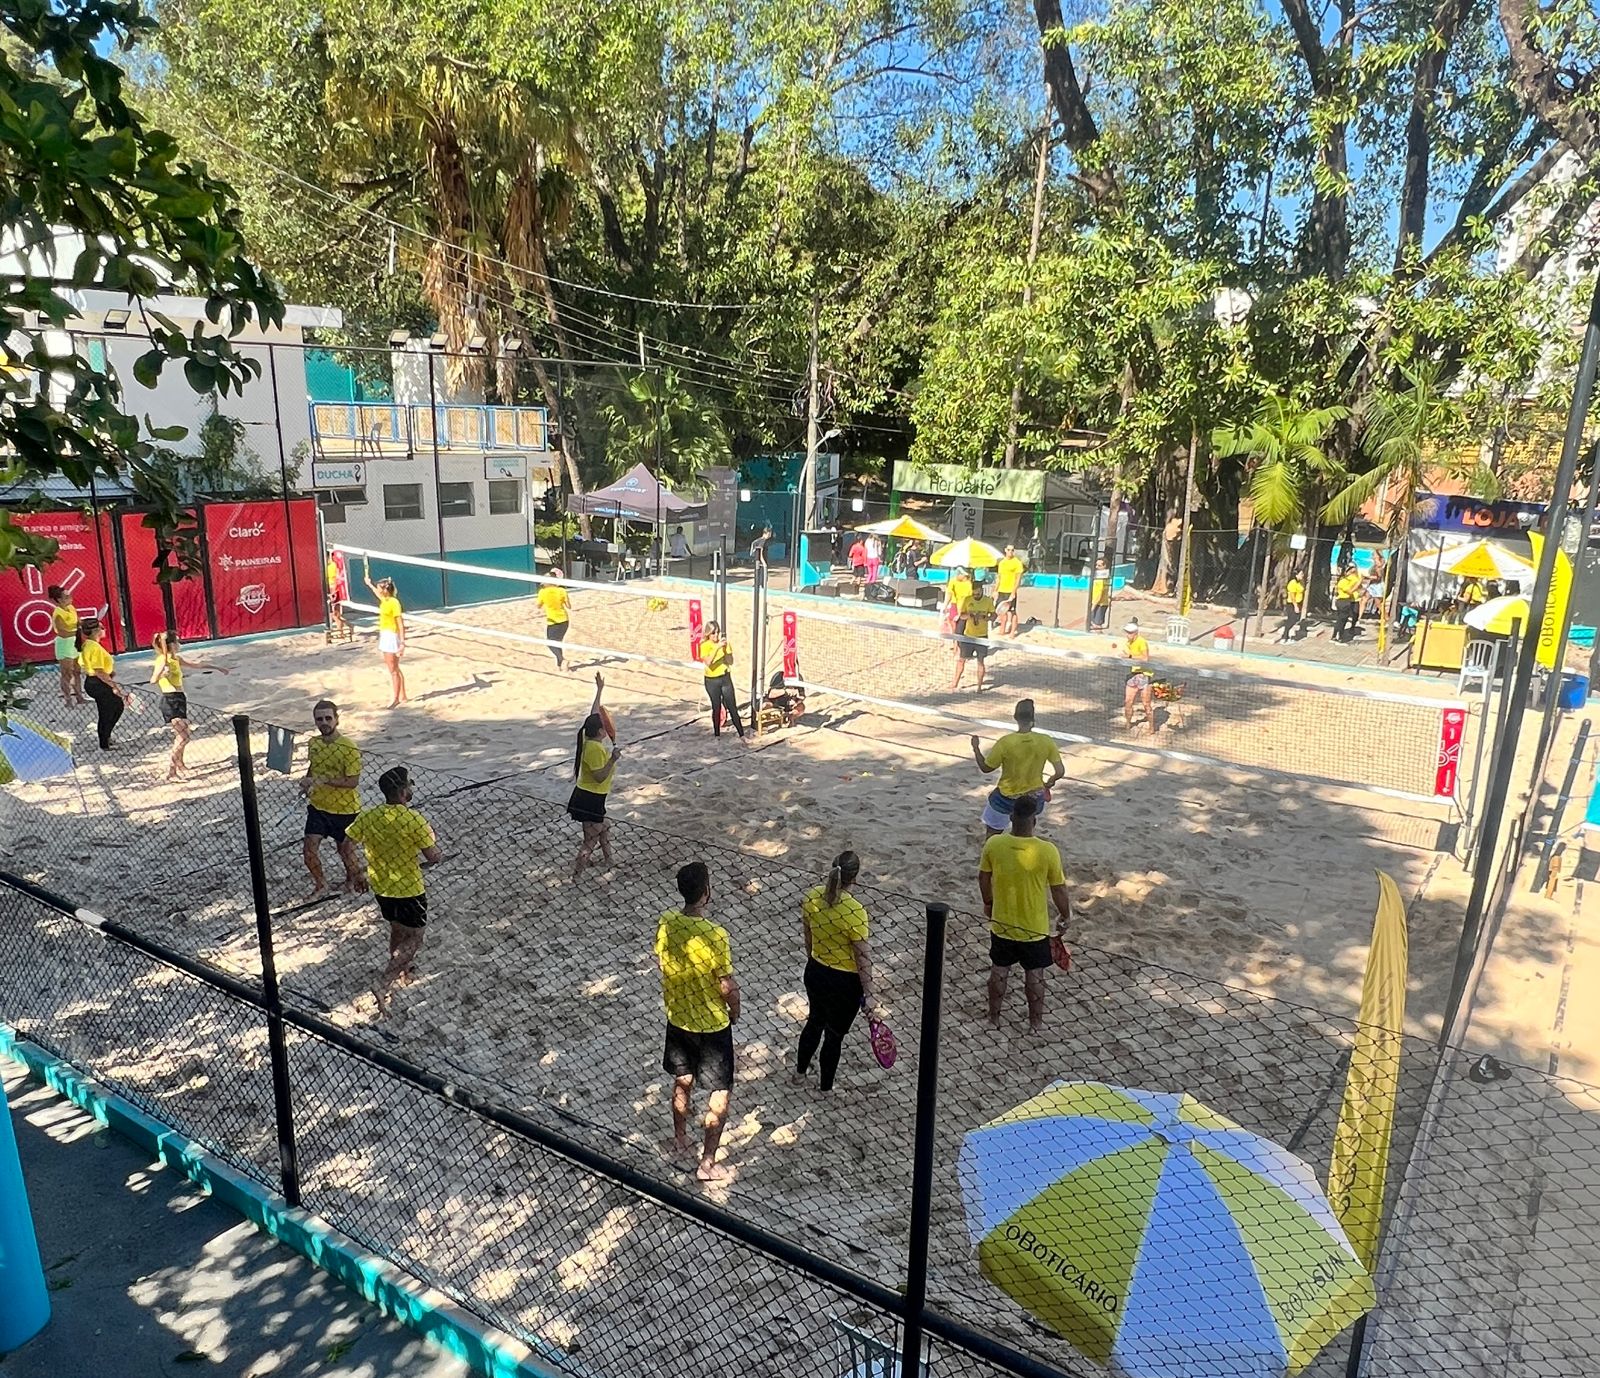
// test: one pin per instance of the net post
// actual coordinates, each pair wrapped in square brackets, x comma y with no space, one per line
[916,1295]
[277,1048]
[722,583]
[758,613]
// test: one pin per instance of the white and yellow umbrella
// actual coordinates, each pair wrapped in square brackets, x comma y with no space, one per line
[1158,1236]
[1472,560]
[967,553]
[1499,614]
[903,528]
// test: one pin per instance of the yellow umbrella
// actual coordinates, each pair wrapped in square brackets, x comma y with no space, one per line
[1498,615]
[1474,560]
[905,528]
[968,553]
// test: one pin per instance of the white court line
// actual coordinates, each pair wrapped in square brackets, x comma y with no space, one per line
[642,587]
[1102,743]
[1118,662]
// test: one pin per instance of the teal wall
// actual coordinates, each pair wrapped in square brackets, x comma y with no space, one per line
[327,380]
[420,588]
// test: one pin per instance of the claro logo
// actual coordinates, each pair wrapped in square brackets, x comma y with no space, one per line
[244,533]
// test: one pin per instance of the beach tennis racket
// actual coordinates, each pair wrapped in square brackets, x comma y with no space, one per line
[606,725]
[1060,953]
[881,1037]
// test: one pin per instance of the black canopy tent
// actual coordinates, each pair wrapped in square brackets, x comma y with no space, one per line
[638,496]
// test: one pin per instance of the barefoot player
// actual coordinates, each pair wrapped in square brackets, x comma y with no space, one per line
[1021,758]
[702,1000]
[333,775]
[1017,876]
[397,840]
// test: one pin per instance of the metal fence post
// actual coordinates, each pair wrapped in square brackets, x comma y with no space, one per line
[277,1048]
[722,587]
[922,1147]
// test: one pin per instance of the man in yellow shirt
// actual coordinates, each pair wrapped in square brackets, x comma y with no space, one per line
[1008,580]
[1018,875]
[1100,597]
[557,615]
[397,840]
[1020,757]
[976,613]
[1141,685]
[958,590]
[1294,609]
[1347,603]
[702,1003]
[330,784]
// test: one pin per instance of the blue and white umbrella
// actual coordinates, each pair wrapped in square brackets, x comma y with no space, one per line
[29,751]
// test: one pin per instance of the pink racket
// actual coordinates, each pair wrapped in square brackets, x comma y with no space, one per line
[882,1038]
[1060,953]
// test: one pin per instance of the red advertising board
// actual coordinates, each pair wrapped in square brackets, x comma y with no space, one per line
[83,566]
[305,539]
[144,595]
[1452,726]
[252,580]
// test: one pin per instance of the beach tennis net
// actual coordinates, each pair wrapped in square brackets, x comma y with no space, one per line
[1402,744]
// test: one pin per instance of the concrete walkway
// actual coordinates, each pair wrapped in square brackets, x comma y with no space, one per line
[150,1278]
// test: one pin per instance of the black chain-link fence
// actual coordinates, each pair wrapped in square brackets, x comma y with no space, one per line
[538,996]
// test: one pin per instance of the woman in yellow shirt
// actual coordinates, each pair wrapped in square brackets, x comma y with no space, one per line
[596,770]
[557,614]
[100,680]
[1141,684]
[64,623]
[391,635]
[838,967]
[167,675]
[717,657]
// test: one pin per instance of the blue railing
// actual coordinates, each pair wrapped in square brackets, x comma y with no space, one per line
[353,426]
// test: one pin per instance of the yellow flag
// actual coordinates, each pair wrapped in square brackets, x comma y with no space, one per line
[1555,608]
[1366,1118]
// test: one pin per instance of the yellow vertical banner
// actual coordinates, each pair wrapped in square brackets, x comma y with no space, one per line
[1360,1165]
[1555,608]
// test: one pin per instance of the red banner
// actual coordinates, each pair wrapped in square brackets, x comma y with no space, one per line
[305,541]
[791,647]
[695,625]
[253,585]
[144,595]
[83,566]
[1452,726]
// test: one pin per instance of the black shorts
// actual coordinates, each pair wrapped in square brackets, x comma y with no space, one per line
[1005,603]
[174,706]
[707,1057]
[585,806]
[972,650]
[1032,954]
[410,911]
[320,824]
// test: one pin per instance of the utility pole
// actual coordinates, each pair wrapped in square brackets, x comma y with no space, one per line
[1188,507]
[808,480]
[1040,174]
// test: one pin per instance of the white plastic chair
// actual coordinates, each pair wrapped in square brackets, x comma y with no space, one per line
[866,1356]
[1479,665]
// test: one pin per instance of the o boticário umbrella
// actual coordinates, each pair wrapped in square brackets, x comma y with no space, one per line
[904,528]
[1498,614]
[1474,560]
[967,553]
[1158,1236]
[31,752]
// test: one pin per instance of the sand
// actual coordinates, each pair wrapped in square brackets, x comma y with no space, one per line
[1207,900]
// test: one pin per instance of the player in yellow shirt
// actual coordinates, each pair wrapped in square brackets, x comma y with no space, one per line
[1008,580]
[971,644]
[957,591]
[595,769]
[100,680]
[838,977]
[391,635]
[557,615]
[1141,684]
[702,1002]
[1020,757]
[1347,603]
[1294,608]
[338,582]
[330,785]
[64,624]
[167,676]
[1018,875]
[397,840]
[717,657]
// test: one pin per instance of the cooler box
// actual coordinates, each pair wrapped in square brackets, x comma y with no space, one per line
[1574,692]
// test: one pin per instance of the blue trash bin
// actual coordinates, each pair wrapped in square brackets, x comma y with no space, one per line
[1574,692]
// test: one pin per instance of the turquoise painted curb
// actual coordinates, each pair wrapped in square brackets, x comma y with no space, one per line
[383,1284]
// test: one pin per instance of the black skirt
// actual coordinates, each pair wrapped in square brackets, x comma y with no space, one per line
[585,806]
[174,705]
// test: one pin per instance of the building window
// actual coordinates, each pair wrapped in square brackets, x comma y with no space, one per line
[455,499]
[402,502]
[505,497]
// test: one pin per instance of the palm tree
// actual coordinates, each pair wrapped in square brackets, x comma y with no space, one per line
[1287,463]
[1402,431]
[656,420]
